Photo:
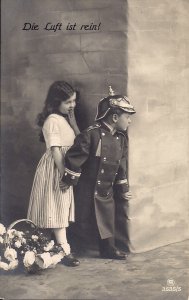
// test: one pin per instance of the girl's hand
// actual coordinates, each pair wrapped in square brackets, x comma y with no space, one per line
[63,186]
[72,121]
[71,117]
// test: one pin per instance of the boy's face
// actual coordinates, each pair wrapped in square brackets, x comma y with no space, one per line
[123,121]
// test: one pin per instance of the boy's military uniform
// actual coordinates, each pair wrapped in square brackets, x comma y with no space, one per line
[97,173]
[97,164]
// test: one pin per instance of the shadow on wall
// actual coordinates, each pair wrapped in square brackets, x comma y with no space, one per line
[82,114]
[20,155]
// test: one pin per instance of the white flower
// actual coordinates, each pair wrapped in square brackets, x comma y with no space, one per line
[2,229]
[1,240]
[43,260]
[49,246]
[10,254]
[56,258]
[11,233]
[34,237]
[19,234]
[13,264]
[23,241]
[29,258]
[4,266]
[17,244]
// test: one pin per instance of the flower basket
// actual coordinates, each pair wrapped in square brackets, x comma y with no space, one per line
[31,248]
[11,226]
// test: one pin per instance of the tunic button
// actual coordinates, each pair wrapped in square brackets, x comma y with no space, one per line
[72,177]
[102,171]
[99,182]
[104,158]
[96,193]
[65,173]
[117,138]
[103,133]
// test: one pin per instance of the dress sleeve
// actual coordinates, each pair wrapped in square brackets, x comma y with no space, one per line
[51,131]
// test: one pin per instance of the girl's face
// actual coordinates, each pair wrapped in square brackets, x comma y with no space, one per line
[68,105]
[123,121]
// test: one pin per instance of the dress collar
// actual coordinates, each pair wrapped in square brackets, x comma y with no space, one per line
[62,115]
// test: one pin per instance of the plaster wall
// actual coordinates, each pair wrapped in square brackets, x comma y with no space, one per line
[158,77]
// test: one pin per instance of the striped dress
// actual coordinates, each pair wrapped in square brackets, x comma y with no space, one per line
[49,207]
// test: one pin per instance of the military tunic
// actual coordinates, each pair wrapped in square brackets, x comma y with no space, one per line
[97,164]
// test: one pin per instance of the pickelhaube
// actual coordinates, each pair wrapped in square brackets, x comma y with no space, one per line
[113,101]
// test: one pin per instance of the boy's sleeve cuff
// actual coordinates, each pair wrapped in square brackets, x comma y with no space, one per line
[122,185]
[70,177]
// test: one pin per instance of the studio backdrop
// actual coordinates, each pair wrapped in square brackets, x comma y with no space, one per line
[137,47]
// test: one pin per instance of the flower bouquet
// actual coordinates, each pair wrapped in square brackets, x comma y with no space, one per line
[30,248]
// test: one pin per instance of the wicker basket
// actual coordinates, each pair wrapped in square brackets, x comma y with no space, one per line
[11,226]
[31,244]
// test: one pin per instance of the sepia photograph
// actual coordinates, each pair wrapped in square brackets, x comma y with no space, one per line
[94,150]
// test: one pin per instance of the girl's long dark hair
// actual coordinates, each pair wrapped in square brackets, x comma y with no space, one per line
[59,91]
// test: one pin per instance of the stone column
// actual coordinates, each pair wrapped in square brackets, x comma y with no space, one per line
[158,78]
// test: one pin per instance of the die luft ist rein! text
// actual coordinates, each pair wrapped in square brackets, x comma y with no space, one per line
[28,26]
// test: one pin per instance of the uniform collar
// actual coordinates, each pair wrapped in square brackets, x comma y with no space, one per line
[109,127]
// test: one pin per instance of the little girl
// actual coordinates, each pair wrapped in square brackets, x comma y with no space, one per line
[49,206]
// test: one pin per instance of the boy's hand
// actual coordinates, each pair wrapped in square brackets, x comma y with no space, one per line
[63,186]
[127,196]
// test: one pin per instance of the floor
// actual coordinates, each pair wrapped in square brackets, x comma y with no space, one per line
[161,274]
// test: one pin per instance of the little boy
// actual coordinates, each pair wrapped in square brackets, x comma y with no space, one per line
[97,164]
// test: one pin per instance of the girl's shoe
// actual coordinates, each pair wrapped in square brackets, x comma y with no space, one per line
[70,261]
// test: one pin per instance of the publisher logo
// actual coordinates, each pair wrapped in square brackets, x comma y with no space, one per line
[170,282]
[171,286]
